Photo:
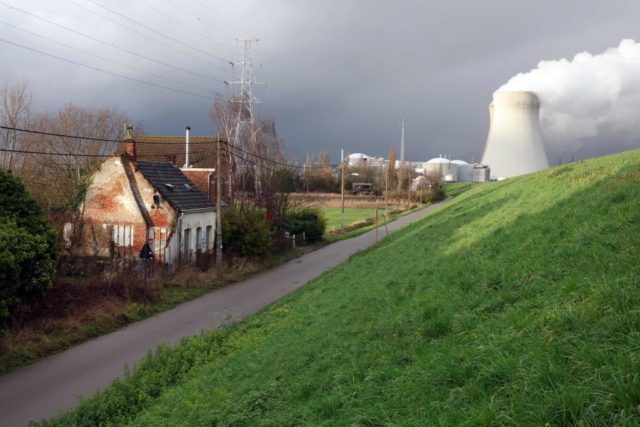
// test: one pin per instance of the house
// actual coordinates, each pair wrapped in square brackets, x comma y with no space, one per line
[132,200]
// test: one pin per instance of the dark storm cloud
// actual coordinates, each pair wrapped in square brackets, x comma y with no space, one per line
[340,74]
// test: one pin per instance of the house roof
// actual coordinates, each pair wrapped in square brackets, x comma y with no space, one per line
[174,186]
[159,148]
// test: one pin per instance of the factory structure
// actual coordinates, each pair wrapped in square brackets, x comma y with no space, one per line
[456,170]
[448,170]
[514,145]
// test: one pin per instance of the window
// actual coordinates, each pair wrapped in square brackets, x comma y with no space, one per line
[187,244]
[209,242]
[121,235]
[199,243]
[156,199]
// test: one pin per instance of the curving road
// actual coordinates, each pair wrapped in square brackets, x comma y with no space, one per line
[51,385]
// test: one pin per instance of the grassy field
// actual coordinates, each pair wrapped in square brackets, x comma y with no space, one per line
[351,216]
[518,303]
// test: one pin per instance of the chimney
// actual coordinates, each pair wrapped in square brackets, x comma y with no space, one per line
[186,154]
[129,143]
[514,144]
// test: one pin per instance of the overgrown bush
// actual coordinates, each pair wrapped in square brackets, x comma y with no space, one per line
[27,247]
[246,232]
[311,222]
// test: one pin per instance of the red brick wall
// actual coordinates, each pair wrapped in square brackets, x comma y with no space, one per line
[110,201]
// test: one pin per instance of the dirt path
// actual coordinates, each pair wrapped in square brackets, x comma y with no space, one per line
[45,388]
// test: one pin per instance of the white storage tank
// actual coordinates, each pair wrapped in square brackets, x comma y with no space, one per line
[465,171]
[358,159]
[443,167]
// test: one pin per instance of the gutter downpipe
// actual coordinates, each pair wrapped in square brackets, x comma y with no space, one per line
[179,248]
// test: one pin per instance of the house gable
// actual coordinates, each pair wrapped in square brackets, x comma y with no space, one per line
[111,218]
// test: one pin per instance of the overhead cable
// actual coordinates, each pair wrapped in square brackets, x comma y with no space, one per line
[91,67]
[161,33]
[201,34]
[160,42]
[103,58]
[135,54]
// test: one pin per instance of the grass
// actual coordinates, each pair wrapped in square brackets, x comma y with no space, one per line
[456,188]
[518,303]
[351,216]
[361,227]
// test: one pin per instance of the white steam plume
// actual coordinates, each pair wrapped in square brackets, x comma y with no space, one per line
[589,99]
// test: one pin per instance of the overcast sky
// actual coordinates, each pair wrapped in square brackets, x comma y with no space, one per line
[338,73]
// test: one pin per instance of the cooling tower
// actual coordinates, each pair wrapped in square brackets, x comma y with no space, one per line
[514,145]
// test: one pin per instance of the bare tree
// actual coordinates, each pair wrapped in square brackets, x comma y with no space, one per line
[254,149]
[14,113]
[59,182]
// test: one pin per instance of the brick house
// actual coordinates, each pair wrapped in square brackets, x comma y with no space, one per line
[131,201]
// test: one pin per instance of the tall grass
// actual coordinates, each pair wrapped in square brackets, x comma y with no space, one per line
[516,304]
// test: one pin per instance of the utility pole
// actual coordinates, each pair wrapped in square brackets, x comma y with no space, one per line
[403,168]
[402,141]
[342,191]
[218,203]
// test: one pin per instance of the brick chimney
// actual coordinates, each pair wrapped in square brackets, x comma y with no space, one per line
[129,143]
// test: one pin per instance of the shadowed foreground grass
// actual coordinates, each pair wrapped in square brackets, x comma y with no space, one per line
[518,303]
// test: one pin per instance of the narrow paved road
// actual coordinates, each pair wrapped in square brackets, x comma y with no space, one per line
[45,388]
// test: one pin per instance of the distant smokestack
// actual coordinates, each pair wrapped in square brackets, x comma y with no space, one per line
[186,154]
[129,143]
[514,145]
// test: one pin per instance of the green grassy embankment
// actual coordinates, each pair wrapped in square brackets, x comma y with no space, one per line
[518,303]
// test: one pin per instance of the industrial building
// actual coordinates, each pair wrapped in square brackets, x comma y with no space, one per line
[514,143]
[456,170]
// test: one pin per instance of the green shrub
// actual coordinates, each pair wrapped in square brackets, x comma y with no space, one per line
[27,247]
[311,222]
[246,232]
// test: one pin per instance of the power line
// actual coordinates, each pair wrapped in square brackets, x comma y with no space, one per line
[105,71]
[228,146]
[102,57]
[86,138]
[111,45]
[201,34]
[160,42]
[53,153]
[211,11]
[160,33]
[275,162]
[186,12]
[208,155]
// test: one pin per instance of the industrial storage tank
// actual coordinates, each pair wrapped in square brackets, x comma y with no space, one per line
[514,144]
[443,167]
[465,171]
[358,159]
